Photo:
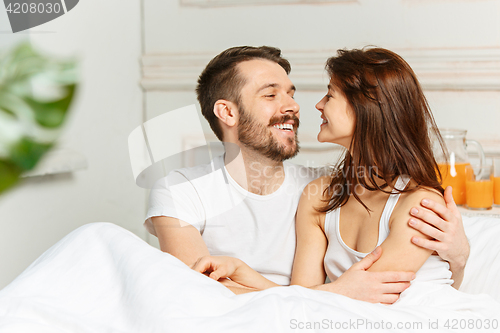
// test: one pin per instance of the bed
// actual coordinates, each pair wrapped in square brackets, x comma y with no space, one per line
[103,278]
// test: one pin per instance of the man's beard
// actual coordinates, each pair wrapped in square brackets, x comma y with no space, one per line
[260,138]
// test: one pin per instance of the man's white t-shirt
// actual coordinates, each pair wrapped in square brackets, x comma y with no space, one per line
[258,229]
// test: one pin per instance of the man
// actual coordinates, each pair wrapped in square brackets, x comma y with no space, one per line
[243,204]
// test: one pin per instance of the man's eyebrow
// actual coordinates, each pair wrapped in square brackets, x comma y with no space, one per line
[274,85]
[268,85]
[330,87]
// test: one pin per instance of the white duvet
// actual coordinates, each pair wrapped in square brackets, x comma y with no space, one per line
[102,278]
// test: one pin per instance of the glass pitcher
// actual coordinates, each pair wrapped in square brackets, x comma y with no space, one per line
[453,170]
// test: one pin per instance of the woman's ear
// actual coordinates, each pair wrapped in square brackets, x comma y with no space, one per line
[226,112]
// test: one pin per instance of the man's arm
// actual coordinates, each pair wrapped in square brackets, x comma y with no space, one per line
[446,230]
[180,239]
[184,242]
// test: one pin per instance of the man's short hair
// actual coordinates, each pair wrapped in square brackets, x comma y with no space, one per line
[221,80]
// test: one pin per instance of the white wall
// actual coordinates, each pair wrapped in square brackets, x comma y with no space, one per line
[454,47]
[172,27]
[106,38]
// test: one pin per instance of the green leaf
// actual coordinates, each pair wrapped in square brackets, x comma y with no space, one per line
[26,153]
[8,111]
[9,175]
[21,70]
[52,114]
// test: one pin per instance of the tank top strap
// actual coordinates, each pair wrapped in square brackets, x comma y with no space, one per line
[389,207]
[331,223]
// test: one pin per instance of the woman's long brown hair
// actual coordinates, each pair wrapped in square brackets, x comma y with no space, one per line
[394,128]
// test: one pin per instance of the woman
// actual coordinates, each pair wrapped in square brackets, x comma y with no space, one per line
[376,109]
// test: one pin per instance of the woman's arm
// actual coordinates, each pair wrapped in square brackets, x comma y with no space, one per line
[356,282]
[399,253]
[311,244]
[447,230]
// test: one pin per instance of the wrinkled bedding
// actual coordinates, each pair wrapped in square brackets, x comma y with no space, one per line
[103,278]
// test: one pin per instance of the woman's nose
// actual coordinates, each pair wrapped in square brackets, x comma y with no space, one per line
[321,104]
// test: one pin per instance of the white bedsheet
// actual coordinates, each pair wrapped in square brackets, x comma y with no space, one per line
[102,278]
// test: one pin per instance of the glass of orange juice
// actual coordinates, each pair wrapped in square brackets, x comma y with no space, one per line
[479,187]
[496,181]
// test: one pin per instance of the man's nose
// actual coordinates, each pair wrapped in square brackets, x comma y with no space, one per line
[291,106]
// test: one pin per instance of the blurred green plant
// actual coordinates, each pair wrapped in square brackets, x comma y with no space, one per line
[35,94]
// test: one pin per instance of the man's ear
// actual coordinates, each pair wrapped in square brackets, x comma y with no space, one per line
[226,111]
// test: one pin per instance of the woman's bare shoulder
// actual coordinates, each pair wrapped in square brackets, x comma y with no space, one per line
[313,195]
[316,188]
[413,198]
[422,192]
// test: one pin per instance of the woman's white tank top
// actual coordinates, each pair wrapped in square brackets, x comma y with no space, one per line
[339,257]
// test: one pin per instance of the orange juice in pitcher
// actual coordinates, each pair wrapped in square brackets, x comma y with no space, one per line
[454,176]
[496,191]
[496,181]
[453,160]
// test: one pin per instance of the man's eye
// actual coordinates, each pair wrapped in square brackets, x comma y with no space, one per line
[329,96]
[270,95]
